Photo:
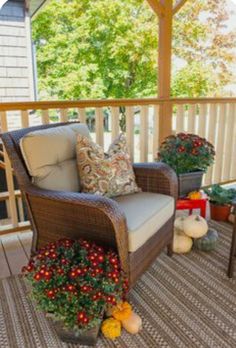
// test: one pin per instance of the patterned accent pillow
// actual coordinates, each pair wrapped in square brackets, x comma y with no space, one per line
[109,174]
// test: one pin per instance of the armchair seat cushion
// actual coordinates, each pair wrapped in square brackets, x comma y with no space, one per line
[145,213]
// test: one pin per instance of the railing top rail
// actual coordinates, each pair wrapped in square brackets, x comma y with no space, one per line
[52,104]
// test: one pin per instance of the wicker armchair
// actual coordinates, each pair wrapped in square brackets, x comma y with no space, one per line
[56,214]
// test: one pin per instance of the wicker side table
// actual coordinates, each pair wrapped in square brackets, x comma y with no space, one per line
[233,248]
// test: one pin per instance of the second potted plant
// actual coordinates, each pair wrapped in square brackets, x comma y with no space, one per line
[190,156]
[74,282]
[220,201]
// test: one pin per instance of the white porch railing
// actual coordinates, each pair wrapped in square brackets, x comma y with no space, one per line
[212,118]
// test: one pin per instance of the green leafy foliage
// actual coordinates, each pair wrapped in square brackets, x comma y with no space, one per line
[186,153]
[75,281]
[108,49]
[96,49]
[220,196]
[194,80]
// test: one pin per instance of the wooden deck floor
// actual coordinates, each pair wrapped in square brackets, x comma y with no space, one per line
[14,252]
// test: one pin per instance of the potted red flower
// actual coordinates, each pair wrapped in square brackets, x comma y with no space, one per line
[74,282]
[190,156]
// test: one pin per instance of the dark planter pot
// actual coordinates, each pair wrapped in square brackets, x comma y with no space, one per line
[189,182]
[220,212]
[88,338]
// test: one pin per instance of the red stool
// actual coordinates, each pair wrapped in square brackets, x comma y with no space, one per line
[190,204]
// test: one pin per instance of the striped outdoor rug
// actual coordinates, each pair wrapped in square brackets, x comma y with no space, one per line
[185,301]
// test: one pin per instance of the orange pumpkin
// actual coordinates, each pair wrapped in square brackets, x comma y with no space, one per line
[122,311]
[195,195]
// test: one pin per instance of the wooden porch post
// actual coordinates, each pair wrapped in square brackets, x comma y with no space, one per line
[164,68]
[165,11]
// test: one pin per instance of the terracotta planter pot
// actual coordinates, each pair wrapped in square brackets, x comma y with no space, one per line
[220,212]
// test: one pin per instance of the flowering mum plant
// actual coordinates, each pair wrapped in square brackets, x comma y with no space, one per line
[75,281]
[186,153]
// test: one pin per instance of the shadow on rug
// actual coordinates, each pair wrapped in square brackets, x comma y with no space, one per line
[184,301]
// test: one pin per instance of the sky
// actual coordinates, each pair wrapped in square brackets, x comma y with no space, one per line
[232,7]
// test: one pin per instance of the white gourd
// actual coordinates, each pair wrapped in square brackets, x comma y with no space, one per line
[181,243]
[133,324]
[195,226]
[179,223]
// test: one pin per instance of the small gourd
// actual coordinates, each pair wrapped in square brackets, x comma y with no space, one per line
[179,223]
[194,195]
[133,324]
[181,243]
[207,242]
[122,311]
[111,328]
[195,226]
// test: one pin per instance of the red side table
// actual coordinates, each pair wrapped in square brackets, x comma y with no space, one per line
[190,204]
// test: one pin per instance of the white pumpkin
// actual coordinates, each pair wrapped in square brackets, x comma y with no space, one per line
[179,223]
[181,243]
[195,226]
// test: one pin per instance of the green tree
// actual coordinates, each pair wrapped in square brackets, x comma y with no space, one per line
[96,49]
[201,39]
[108,49]
[194,80]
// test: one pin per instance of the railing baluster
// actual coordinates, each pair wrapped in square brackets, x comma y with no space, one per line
[211,138]
[20,209]
[202,120]
[180,118]
[99,126]
[64,115]
[155,131]
[24,119]
[115,122]
[9,175]
[45,116]
[191,118]
[82,115]
[228,142]
[232,172]
[220,144]
[144,139]
[130,130]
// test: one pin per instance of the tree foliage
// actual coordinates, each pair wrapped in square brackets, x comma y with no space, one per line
[108,49]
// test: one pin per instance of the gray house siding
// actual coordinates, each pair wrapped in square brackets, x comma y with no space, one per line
[16,66]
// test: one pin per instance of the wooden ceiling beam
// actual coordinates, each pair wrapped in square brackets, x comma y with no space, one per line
[178,6]
[157,7]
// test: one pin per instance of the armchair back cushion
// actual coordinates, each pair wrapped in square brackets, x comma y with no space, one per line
[50,156]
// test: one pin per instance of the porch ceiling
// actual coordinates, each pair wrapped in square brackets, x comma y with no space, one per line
[34,6]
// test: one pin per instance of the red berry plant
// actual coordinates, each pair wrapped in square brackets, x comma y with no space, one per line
[75,281]
[186,153]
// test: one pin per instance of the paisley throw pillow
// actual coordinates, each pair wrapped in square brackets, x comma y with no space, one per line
[109,174]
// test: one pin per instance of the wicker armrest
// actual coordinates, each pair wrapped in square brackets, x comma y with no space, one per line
[156,177]
[78,215]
